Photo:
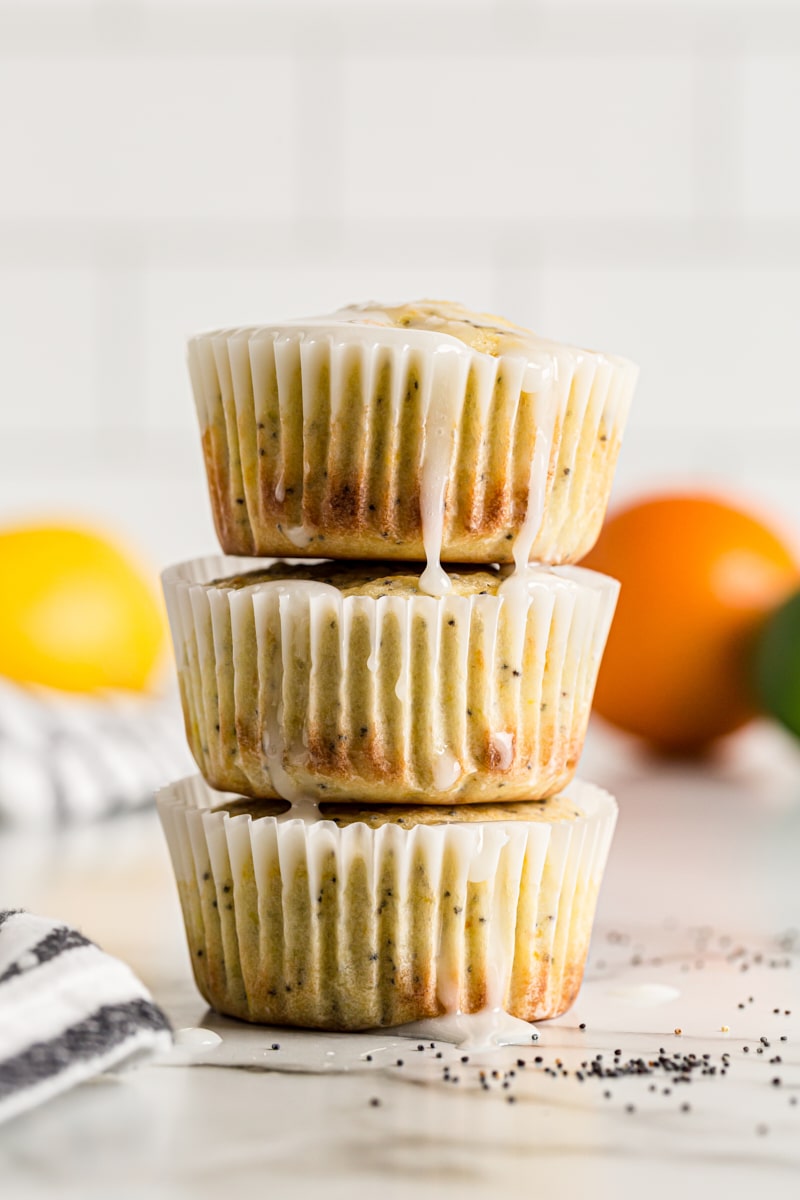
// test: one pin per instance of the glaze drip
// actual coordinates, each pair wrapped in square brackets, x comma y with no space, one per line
[479,1031]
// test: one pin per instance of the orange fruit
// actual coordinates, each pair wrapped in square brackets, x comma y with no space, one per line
[75,612]
[698,577]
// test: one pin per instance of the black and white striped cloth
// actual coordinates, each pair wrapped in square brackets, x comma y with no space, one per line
[68,1011]
[67,758]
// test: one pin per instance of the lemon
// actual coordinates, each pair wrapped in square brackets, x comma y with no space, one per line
[777,664]
[75,612]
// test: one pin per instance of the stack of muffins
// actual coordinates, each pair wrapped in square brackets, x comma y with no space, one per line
[387,829]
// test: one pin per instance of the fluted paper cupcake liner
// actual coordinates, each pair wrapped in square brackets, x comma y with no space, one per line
[353,927]
[292,687]
[364,441]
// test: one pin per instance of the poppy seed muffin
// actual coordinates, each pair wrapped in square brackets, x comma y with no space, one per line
[408,432]
[362,919]
[345,682]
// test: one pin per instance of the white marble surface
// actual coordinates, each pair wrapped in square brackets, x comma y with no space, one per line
[696,917]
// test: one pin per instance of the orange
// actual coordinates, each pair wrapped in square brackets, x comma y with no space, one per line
[75,612]
[698,576]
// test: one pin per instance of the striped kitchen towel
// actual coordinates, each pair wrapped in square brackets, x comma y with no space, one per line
[68,1011]
[68,759]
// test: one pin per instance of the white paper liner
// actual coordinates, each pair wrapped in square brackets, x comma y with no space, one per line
[292,688]
[354,927]
[366,441]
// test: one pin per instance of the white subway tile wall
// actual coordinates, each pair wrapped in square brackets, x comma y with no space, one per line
[618,173]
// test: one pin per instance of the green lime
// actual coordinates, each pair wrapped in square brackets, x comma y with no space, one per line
[777,664]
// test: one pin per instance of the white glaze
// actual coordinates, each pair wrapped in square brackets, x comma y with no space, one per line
[298,536]
[643,995]
[190,1045]
[195,1038]
[443,401]
[454,322]
[534,513]
[477,1032]
[446,771]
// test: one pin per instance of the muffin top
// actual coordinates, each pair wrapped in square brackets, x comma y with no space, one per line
[372,579]
[556,808]
[481,331]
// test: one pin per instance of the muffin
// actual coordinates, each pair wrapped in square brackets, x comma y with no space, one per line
[376,916]
[345,682]
[407,432]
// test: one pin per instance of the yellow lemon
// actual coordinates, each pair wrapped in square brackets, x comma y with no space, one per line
[75,612]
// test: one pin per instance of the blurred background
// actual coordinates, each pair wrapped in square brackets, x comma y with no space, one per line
[621,175]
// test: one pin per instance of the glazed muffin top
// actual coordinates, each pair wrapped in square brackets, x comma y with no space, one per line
[376,579]
[373,579]
[556,808]
[485,333]
[480,331]
[410,430]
